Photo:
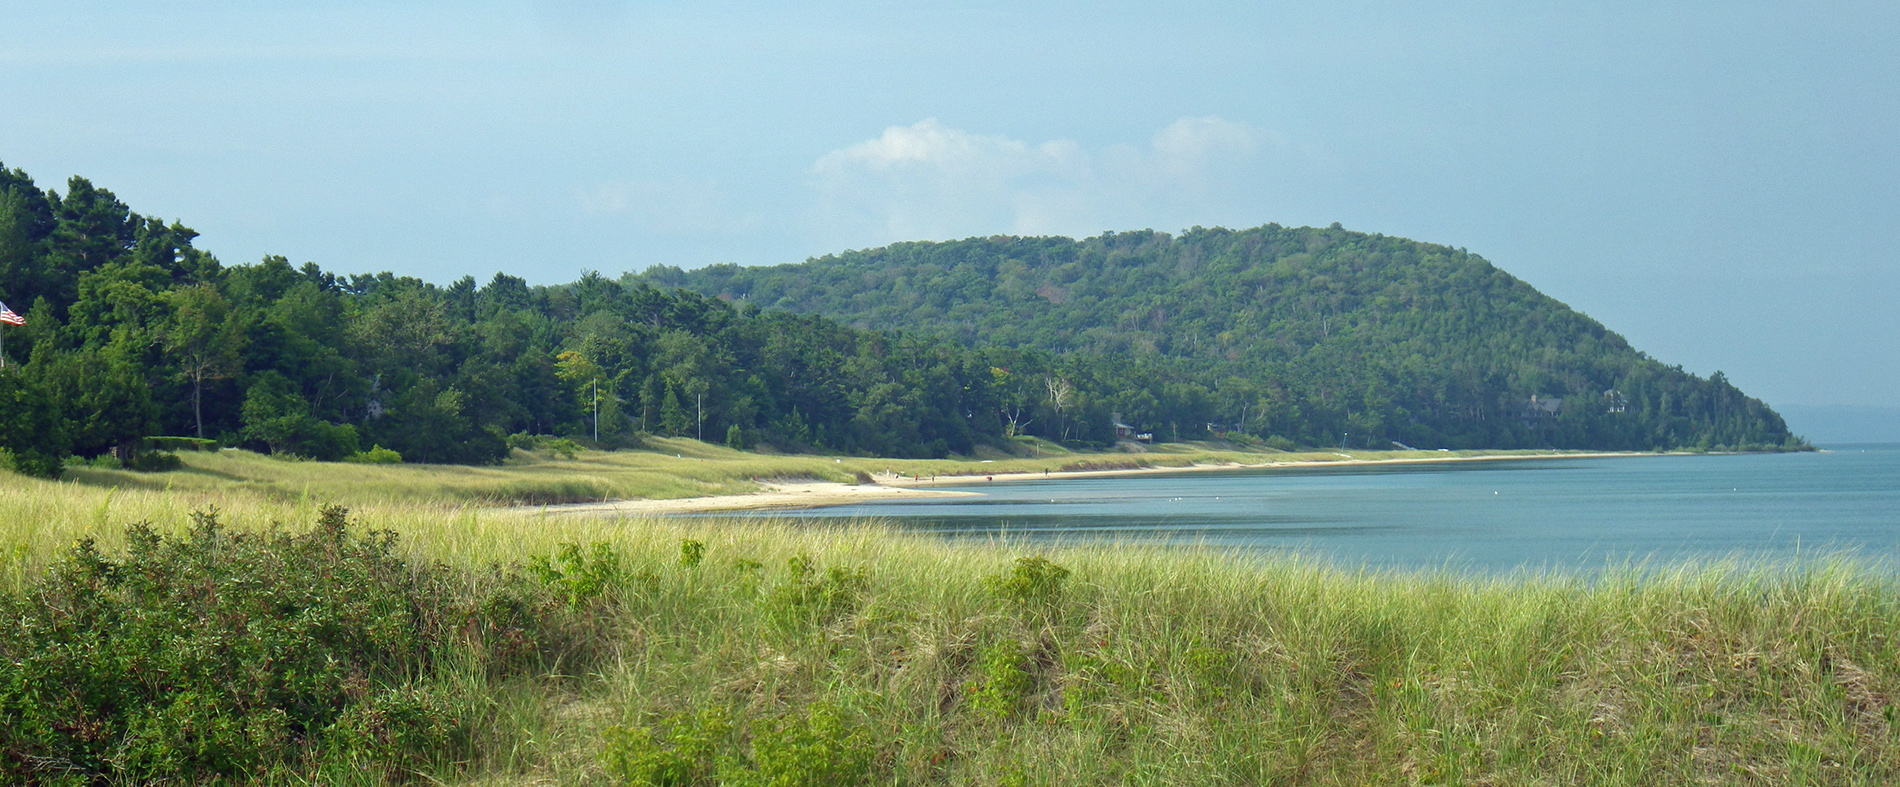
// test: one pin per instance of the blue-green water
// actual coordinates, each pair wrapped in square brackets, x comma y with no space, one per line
[1482,516]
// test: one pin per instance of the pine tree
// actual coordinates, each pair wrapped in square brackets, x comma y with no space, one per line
[673,419]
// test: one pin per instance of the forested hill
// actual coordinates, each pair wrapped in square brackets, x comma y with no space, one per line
[1320,336]
[1314,337]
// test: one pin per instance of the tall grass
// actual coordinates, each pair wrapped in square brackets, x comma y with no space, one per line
[931,662]
[668,468]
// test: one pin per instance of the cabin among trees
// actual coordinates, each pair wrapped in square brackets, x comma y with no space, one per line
[1125,432]
[1537,411]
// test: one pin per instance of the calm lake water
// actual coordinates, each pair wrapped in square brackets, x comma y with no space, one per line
[1572,514]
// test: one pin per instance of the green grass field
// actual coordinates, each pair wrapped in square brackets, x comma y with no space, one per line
[795,655]
[667,468]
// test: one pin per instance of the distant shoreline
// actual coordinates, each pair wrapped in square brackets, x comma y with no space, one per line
[887,487]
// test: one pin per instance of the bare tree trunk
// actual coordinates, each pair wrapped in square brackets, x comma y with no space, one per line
[197,398]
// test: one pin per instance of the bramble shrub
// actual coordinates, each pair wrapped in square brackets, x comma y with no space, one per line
[578,577]
[222,654]
[808,596]
[817,748]
[692,552]
[1032,581]
[1002,680]
[1091,680]
[683,752]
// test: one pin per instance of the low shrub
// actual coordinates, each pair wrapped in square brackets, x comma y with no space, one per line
[692,552]
[222,654]
[808,596]
[560,446]
[376,455]
[154,462]
[1002,680]
[1033,581]
[815,748]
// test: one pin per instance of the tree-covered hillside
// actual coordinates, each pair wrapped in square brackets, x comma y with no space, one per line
[1317,337]
[1322,336]
[132,332]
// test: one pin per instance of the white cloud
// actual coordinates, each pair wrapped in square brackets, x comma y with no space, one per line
[933,181]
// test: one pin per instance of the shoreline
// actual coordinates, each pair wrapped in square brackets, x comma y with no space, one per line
[888,487]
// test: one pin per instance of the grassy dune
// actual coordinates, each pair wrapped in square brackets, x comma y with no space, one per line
[896,659]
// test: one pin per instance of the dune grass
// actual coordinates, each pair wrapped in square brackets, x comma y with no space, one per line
[666,468]
[784,649]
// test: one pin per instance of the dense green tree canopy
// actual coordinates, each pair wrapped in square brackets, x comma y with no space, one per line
[1317,336]
[1324,336]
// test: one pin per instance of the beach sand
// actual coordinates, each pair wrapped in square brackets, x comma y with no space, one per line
[890,487]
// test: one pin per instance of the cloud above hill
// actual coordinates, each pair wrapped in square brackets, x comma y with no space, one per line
[930,180]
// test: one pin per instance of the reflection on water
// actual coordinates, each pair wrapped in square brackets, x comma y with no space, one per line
[1486,516]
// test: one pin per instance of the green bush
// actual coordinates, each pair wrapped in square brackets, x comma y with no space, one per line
[1032,581]
[817,748]
[1279,443]
[560,446]
[810,597]
[579,577]
[1002,680]
[100,462]
[376,455]
[33,463]
[692,552]
[154,462]
[682,752]
[222,654]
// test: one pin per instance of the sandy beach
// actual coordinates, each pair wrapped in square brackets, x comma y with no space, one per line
[893,486]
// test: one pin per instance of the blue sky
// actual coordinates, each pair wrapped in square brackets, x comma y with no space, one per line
[1715,181]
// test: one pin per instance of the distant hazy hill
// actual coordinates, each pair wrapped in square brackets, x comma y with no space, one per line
[1323,336]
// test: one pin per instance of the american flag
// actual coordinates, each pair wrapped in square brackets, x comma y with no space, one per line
[9,317]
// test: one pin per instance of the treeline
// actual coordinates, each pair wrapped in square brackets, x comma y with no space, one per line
[131,332]
[1315,336]
[1291,336]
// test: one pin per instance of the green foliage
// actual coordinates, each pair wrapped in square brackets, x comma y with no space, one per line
[376,455]
[153,462]
[32,431]
[579,577]
[229,654]
[278,417]
[817,748]
[1002,680]
[1032,581]
[684,751]
[810,597]
[692,553]
[559,446]
[1322,336]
